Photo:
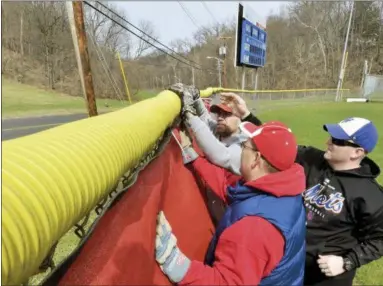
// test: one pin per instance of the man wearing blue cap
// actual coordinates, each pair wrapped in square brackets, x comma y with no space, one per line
[344,202]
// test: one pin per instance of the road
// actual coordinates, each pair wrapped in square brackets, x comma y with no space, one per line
[17,127]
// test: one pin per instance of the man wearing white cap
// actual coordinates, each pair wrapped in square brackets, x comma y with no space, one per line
[344,202]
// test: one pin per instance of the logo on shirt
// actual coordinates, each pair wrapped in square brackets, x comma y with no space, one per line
[321,199]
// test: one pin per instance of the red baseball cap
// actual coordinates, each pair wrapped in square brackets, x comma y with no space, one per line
[275,141]
[214,108]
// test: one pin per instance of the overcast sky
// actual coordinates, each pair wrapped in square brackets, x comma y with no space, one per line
[171,22]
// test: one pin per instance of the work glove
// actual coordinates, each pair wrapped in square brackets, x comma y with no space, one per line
[200,107]
[187,95]
[236,102]
[195,92]
[331,265]
[171,260]
[188,152]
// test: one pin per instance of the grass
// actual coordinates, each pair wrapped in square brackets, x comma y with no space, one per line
[306,121]
[21,100]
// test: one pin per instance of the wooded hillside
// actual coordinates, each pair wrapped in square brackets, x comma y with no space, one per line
[305,45]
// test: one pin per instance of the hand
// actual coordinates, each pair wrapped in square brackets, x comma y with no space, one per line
[195,92]
[187,95]
[185,139]
[331,265]
[236,103]
[172,261]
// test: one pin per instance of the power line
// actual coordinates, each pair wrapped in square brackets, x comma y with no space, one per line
[146,41]
[208,10]
[188,14]
[106,68]
[154,39]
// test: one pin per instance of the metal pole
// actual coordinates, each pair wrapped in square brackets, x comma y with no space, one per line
[341,87]
[365,69]
[219,73]
[341,73]
[124,78]
[76,20]
[224,72]
[193,76]
[243,78]
[256,79]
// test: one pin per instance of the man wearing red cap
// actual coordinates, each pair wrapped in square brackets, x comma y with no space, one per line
[261,237]
[219,139]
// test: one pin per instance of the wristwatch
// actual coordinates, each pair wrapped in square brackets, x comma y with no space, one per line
[347,264]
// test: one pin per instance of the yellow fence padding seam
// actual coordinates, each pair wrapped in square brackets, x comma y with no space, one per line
[51,179]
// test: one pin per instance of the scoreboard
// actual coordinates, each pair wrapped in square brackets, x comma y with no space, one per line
[251,39]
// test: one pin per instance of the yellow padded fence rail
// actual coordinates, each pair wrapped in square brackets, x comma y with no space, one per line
[51,179]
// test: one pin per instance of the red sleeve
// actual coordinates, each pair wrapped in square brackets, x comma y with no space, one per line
[213,176]
[246,252]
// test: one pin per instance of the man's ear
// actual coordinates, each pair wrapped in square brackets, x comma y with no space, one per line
[359,153]
[256,160]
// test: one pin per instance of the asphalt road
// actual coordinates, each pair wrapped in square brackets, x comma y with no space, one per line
[17,127]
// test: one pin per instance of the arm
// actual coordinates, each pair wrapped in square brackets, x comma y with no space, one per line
[369,214]
[308,156]
[204,114]
[252,119]
[215,151]
[244,255]
[239,107]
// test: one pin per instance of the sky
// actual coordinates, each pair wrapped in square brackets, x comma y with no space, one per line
[171,22]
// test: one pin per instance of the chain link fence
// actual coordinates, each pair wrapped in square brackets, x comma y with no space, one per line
[265,100]
[373,87]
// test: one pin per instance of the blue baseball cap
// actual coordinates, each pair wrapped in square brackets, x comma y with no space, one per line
[361,131]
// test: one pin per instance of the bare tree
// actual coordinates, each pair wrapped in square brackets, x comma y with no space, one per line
[315,15]
[147,35]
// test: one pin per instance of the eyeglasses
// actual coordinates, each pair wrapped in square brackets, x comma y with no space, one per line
[243,145]
[341,142]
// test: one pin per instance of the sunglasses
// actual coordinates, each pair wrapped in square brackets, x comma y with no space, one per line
[341,142]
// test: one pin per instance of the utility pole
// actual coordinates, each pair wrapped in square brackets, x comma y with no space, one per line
[222,53]
[219,61]
[193,76]
[175,74]
[76,21]
[341,73]
[219,73]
